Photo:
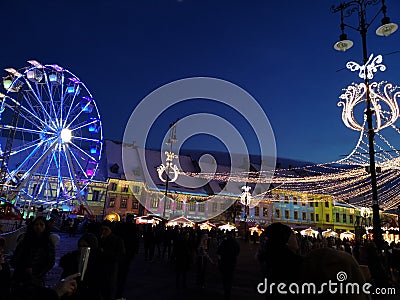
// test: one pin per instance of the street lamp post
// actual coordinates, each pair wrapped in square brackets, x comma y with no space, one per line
[169,166]
[346,9]
[245,199]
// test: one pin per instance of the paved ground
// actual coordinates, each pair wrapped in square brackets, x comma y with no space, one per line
[156,280]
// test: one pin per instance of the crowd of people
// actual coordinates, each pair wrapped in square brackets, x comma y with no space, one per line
[188,248]
[283,256]
[287,257]
[112,247]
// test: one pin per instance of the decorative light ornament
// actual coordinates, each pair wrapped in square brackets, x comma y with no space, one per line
[367,70]
[365,212]
[246,198]
[169,166]
[379,93]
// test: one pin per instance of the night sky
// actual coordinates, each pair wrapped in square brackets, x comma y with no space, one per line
[281,52]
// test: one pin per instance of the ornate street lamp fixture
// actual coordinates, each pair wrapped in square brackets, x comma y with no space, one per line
[169,166]
[346,9]
[245,199]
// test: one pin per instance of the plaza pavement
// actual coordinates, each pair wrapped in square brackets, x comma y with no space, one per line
[156,280]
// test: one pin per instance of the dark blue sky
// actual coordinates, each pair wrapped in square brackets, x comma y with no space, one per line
[281,52]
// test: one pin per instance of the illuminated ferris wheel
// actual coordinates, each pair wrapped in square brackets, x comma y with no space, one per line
[51,134]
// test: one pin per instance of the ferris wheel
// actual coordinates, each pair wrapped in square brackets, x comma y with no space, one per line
[51,134]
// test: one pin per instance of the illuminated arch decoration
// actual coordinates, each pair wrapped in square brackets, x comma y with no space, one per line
[348,179]
[383,95]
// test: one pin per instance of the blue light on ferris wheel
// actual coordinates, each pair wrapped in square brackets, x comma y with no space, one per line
[94,149]
[53,77]
[87,104]
[71,89]
[94,128]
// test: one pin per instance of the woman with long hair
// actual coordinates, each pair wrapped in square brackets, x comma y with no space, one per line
[34,256]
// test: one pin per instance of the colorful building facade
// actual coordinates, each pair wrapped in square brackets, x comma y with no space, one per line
[113,193]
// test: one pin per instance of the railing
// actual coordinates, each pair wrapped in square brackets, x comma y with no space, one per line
[9,225]
[12,239]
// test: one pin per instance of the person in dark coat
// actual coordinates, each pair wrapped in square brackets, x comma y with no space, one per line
[87,287]
[281,262]
[182,255]
[62,290]
[111,251]
[128,233]
[202,259]
[327,264]
[228,252]
[34,256]
[148,242]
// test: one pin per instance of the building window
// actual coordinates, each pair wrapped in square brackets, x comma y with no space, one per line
[201,207]
[295,200]
[358,220]
[316,217]
[265,212]
[111,202]
[296,215]
[179,205]
[154,202]
[344,218]
[168,203]
[316,204]
[287,216]
[123,203]
[311,204]
[351,219]
[113,186]
[326,204]
[337,217]
[135,204]
[277,213]
[222,206]
[136,189]
[327,217]
[312,217]
[125,188]
[192,206]
[214,207]
[256,211]
[304,216]
[95,195]
[286,199]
